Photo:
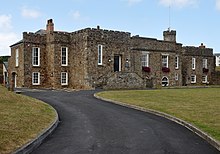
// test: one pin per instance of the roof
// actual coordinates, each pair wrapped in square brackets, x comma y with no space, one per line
[19,42]
[217,54]
[41,32]
[6,65]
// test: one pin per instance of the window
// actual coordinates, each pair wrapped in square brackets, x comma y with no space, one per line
[36,56]
[145,59]
[16,57]
[64,56]
[176,62]
[165,61]
[193,63]
[204,79]
[176,76]
[193,78]
[99,54]
[64,78]
[204,63]
[36,78]
[165,81]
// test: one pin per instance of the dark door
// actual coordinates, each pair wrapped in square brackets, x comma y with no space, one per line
[117,63]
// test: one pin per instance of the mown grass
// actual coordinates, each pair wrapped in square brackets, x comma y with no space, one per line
[200,107]
[217,68]
[21,119]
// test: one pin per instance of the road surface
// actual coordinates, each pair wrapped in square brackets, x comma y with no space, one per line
[89,125]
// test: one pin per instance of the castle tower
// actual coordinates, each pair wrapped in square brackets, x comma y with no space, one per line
[169,35]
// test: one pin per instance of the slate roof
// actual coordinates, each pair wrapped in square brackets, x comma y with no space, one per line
[6,65]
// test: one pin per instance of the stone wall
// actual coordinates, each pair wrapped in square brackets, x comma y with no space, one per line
[216,78]
[124,80]
[31,40]
[156,49]
[199,54]
[83,69]
[114,43]
[129,48]
[17,70]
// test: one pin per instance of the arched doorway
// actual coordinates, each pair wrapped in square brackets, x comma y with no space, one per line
[165,81]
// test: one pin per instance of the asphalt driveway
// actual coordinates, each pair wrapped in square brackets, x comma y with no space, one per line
[89,125]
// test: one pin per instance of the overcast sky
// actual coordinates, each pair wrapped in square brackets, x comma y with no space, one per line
[196,21]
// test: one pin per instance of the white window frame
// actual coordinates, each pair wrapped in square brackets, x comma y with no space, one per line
[176,76]
[204,63]
[193,63]
[66,79]
[64,63]
[34,56]
[177,62]
[165,62]
[206,79]
[145,59]
[100,54]
[163,85]
[193,76]
[38,78]
[16,57]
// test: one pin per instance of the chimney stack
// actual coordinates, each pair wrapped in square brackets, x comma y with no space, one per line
[202,46]
[50,25]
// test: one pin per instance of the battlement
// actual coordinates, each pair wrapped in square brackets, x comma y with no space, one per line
[197,51]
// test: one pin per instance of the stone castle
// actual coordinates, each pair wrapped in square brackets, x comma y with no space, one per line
[93,57]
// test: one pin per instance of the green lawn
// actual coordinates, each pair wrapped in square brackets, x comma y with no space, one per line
[217,68]
[200,107]
[21,119]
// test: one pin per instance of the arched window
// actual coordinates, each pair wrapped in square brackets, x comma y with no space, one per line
[165,81]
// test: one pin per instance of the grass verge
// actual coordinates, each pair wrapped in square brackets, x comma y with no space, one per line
[21,119]
[200,107]
[217,68]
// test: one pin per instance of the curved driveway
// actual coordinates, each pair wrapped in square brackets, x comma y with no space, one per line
[89,125]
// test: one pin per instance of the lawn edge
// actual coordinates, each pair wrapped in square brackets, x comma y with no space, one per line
[187,125]
[36,142]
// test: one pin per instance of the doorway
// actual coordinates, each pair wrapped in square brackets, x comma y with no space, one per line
[117,63]
[14,81]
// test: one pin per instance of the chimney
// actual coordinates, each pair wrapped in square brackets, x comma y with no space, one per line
[169,35]
[202,46]
[50,25]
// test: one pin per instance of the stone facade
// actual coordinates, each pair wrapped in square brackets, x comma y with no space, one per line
[102,58]
[1,74]
[200,70]
[156,49]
